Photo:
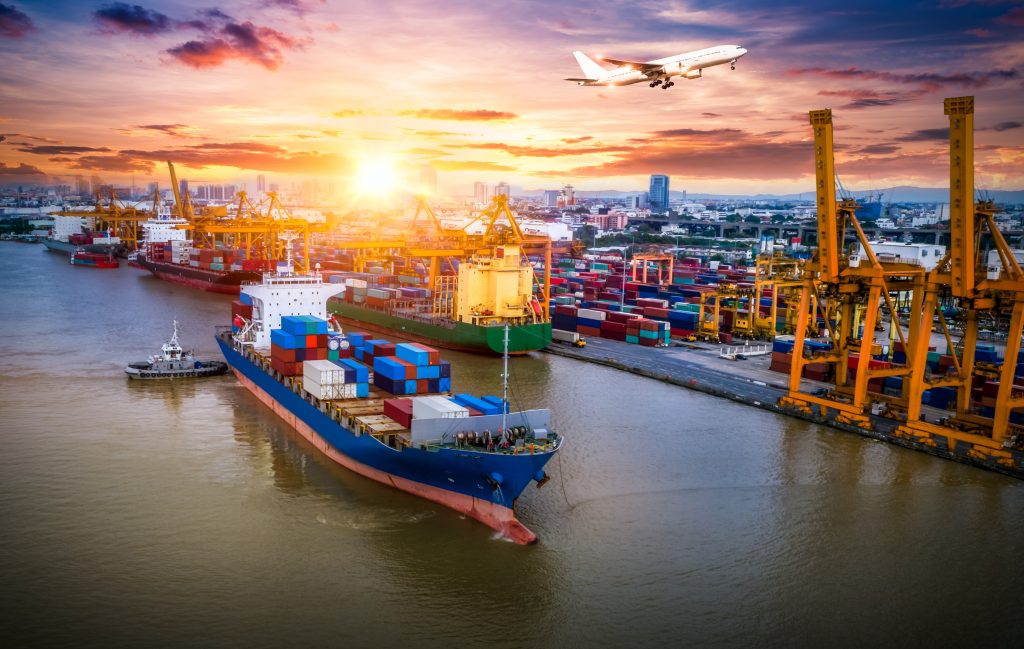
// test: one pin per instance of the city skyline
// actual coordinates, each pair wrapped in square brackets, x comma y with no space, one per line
[247,89]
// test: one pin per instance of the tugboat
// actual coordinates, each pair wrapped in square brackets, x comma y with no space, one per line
[174,363]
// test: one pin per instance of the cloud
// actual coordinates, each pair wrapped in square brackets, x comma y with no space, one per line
[878,149]
[479,115]
[869,98]
[577,140]
[243,41]
[1006,126]
[35,138]
[61,149]
[929,81]
[133,19]
[469,165]
[246,155]
[710,115]
[1013,17]
[120,162]
[926,135]
[13,22]
[540,151]
[348,112]
[21,170]
[428,153]
[177,130]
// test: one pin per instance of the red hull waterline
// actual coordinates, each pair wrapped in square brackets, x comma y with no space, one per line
[498,518]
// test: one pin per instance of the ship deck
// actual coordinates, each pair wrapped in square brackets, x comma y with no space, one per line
[365,416]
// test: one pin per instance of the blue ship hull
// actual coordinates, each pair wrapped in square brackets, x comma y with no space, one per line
[459,478]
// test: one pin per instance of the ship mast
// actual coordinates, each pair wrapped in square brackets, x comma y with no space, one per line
[504,381]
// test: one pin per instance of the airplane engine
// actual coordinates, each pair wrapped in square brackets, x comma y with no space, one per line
[693,74]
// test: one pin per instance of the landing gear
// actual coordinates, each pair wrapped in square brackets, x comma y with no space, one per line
[668,85]
[732,64]
[656,82]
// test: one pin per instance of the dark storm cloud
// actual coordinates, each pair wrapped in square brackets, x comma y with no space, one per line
[926,135]
[134,19]
[13,22]
[62,150]
[239,41]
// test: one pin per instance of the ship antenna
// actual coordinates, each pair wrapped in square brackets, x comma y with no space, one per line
[504,381]
[174,336]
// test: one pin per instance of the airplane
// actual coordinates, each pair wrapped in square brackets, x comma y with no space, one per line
[658,72]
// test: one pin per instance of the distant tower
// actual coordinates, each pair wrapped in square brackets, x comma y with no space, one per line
[183,187]
[261,184]
[658,194]
[503,189]
[551,197]
[480,193]
[428,179]
[567,198]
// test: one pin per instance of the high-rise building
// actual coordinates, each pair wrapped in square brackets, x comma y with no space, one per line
[427,180]
[229,192]
[658,194]
[637,201]
[551,197]
[81,186]
[183,187]
[480,193]
[273,188]
[203,192]
[153,188]
[261,184]
[503,189]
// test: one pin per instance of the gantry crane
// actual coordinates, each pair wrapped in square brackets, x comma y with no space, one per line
[855,294]
[980,292]
[847,295]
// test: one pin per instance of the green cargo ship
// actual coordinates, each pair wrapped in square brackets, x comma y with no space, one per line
[467,312]
[443,332]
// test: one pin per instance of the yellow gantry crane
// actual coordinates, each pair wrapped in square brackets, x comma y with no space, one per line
[851,296]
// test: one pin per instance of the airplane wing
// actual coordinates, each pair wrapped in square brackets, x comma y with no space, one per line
[579,80]
[646,68]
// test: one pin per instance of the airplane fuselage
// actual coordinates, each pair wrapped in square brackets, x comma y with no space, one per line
[687,64]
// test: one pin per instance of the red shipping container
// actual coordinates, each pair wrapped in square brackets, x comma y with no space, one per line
[433,356]
[400,410]
[282,354]
[422,386]
[588,331]
[310,341]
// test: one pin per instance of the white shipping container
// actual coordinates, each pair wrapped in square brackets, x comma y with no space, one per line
[329,392]
[355,283]
[435,407]
[591,314]
[322,373]
[564,336]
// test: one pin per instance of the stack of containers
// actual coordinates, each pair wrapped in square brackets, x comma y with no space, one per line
[588,321]
[436,407]
[478,404]
[400,410]
[410,368]
[327,380]
[564,318]
[298,340]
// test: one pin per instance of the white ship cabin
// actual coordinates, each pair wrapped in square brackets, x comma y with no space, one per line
[925,255]
[285,293]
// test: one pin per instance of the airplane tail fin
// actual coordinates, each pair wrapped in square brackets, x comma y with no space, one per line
[591,69]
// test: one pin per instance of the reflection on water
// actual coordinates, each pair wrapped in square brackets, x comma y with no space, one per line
[188,514]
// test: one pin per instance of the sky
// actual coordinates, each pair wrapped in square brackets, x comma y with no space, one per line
[335,90]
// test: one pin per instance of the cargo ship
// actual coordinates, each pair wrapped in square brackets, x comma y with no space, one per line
[466,312]
[206,279]
[381,410]
[93,259]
